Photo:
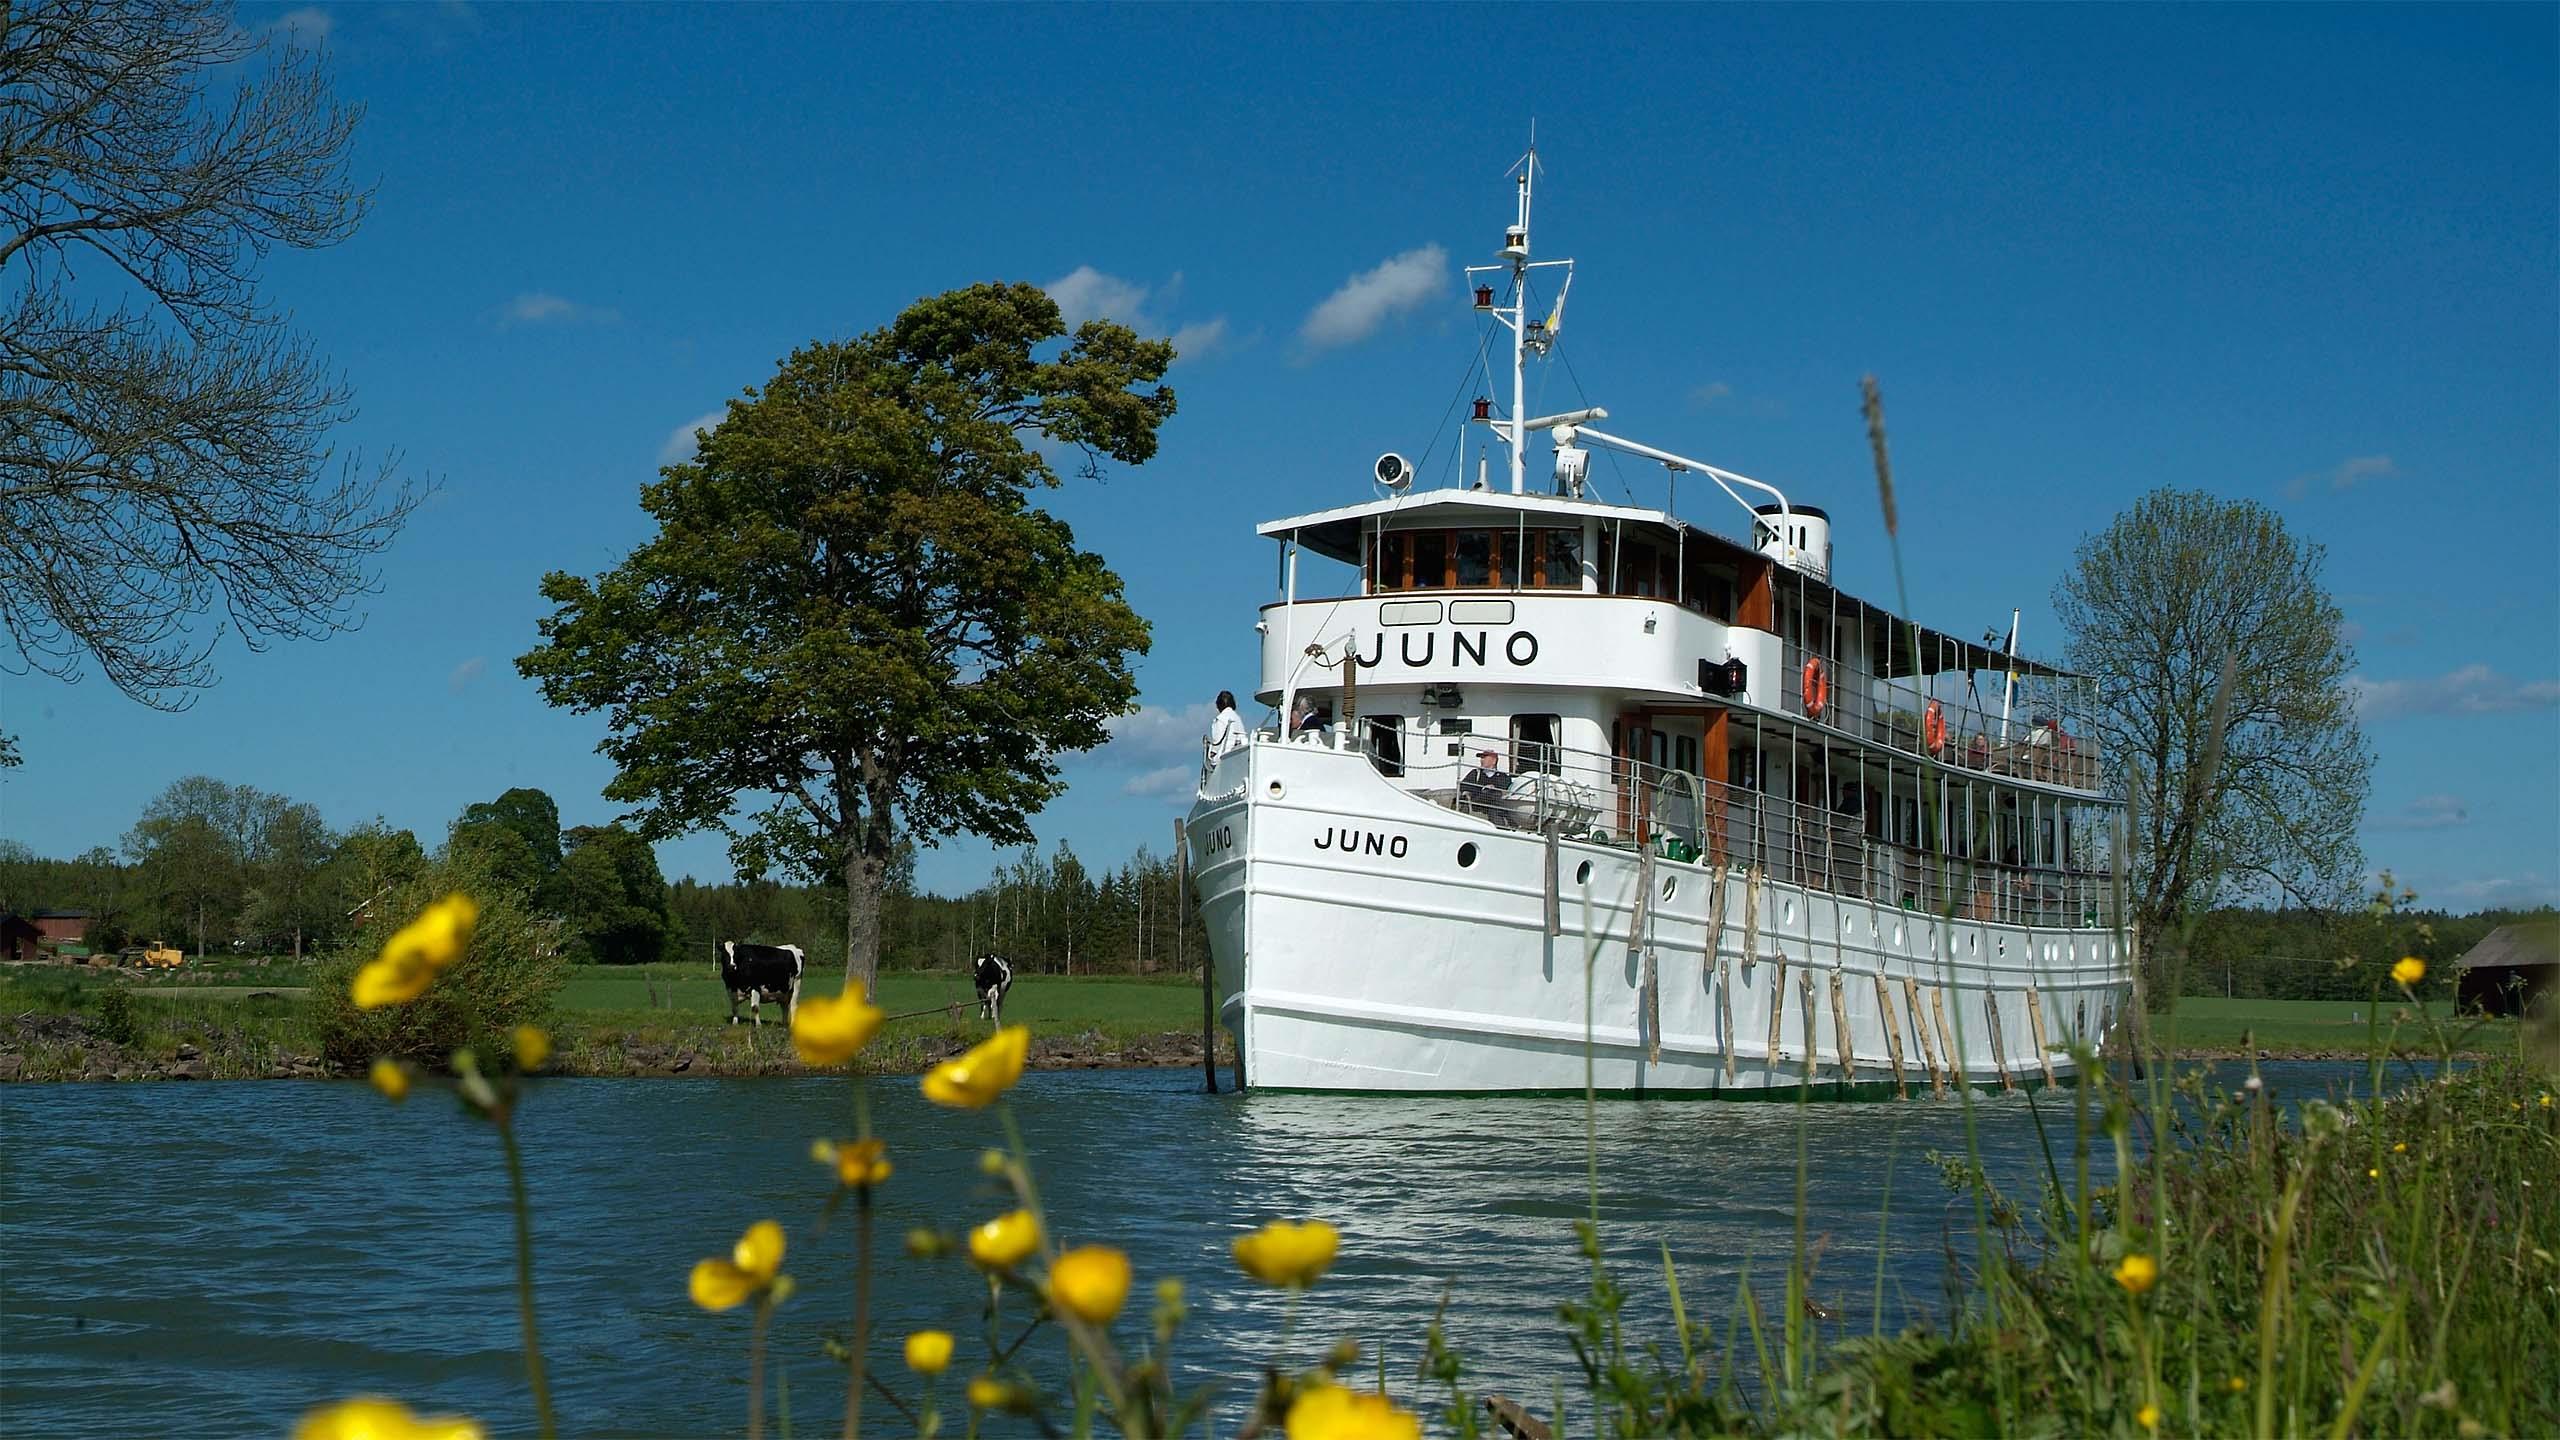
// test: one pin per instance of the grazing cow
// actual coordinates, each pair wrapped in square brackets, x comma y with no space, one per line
[995,976]
[758,973]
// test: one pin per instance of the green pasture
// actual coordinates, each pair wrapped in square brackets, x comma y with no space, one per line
[1054,1003]
[2211,1022]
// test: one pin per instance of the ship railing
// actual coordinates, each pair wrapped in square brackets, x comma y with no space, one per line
[2047,737]
[1631,804]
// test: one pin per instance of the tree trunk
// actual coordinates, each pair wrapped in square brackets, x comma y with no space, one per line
[862,877]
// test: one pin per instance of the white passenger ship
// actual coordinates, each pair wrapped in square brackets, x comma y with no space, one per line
[1752,833]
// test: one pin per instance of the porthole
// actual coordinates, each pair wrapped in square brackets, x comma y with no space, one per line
[1898,932]
[1973,944]
[1670,886]
[1466,855]
[1278,790]
[1582,873]
[1790,912]
[2000,947]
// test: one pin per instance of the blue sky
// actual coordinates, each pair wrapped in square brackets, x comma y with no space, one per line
[2302,255]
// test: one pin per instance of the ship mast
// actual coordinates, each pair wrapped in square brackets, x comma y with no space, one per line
[1527,335]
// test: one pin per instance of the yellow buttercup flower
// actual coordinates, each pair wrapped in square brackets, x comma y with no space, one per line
[929,1351]
[533,1046]
[986,1392]
[750,1269]
[2137,1272]
[390,1077]
[973,1079]
[1330,1412]
[412,958]
[2402,1148]
[2148,1417]
[369,1417]
[1289,1252]
[831,1030]
[2237,1383]
[2410,970]
[1090,1282]
[1005,1241]
[2373,1174]
[856,1162]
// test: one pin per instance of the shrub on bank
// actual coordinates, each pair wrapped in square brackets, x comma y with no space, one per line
[509,975]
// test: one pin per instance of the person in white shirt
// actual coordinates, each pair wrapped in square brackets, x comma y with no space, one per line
[1226,732]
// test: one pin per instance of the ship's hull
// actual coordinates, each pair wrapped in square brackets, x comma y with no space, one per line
[1365,939]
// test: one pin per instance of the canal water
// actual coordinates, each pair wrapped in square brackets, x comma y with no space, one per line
[210,1259]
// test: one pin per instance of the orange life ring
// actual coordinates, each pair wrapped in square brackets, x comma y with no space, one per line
[1817,688]
[1933,727]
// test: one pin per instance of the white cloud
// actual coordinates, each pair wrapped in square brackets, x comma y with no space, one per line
[308,26]
[2347,474]
[2427,812]
[537,307]
[1366,300]
[2497,892]
[1085,293]
[679,443]
[1195,340]
[2471,690]
[1171,781]
[1708,394]
[466,672]
[1155,734]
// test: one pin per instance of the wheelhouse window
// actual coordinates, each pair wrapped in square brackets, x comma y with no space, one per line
[1533,745]
[1430,560]
[1563,558]
[1474,559]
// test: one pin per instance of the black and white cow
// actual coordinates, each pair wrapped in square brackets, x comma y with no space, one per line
[758,973]
[995,976]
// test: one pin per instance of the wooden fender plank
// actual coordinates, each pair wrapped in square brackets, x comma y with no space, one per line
[2035,1022]
[1920,1028]
[1804,994]
[1892,1037]
[1842,1049]
[1999,1052]
[1724,1013]
[1947,1036]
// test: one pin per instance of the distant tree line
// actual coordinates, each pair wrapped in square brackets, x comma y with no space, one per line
[1048,914]
[213,865]
[210,865]
[2297,954]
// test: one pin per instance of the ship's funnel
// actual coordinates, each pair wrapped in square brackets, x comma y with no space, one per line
[1801,541]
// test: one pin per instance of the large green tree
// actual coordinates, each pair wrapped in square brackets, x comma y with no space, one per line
[2258,795]
[613,897]
[294,848]
[853,620]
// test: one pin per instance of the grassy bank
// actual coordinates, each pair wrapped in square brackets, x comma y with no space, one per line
[2378,1268]
[236,1019]
[2209,1025]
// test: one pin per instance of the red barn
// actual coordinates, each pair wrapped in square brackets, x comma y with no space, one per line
[62,927]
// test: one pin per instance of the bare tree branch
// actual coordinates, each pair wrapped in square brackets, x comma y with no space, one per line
[165,467]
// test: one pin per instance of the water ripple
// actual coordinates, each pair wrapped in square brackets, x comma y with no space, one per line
[209,1259]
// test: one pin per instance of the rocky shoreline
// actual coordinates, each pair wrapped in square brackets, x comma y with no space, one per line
[39,1047]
